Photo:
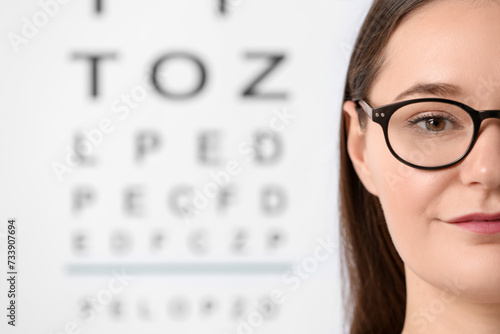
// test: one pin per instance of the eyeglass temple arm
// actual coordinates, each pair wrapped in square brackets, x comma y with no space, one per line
[368,110]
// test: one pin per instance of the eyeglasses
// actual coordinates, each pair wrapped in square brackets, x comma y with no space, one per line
[428,133]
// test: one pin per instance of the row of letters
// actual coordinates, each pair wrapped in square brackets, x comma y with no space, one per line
[198,242]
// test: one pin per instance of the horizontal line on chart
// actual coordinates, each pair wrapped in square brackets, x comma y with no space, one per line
[218,268]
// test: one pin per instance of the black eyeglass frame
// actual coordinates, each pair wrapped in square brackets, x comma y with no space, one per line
[382,114]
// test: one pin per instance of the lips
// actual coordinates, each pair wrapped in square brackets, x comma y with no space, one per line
[483,217]
[479,223]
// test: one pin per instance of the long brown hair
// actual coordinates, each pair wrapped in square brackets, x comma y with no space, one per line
[374,288]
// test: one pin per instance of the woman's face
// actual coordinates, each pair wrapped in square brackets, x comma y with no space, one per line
[447,42]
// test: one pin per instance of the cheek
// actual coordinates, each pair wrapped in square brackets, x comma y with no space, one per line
[410,198]
[410,202]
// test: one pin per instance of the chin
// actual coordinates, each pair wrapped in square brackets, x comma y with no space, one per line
[475,285]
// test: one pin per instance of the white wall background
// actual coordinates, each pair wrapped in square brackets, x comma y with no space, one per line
[205,274]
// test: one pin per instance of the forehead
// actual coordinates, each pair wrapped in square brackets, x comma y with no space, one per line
[446,41]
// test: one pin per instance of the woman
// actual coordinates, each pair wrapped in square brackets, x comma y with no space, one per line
[420,179]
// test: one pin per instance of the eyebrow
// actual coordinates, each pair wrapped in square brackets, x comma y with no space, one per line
[435,88]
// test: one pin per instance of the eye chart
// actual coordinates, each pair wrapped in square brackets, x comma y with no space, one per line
[171,166]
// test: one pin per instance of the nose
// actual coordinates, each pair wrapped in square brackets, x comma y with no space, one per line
[481,167]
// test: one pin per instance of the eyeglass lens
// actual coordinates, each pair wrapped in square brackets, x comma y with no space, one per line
[430,134]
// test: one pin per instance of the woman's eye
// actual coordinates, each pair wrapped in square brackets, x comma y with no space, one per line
[434,124]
